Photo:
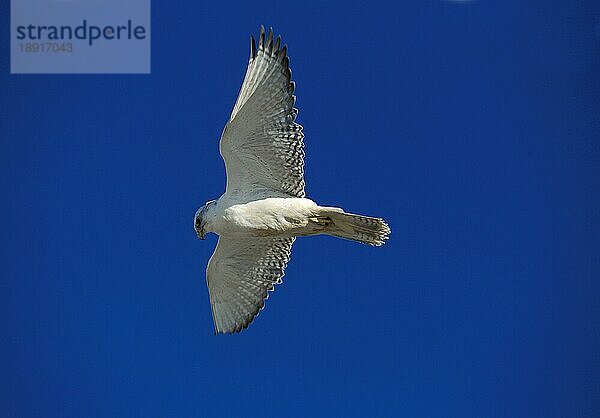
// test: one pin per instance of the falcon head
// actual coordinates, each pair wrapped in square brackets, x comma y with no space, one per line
[200,219]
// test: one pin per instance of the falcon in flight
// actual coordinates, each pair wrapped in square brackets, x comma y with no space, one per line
[264,207]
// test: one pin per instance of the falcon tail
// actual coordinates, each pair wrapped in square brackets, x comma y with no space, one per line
[365,229]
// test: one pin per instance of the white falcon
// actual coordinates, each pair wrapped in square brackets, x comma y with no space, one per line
[264,207]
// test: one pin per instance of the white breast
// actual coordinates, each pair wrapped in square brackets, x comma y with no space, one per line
[271,216]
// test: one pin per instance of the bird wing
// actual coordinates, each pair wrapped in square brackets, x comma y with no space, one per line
[239,274]
[262,145]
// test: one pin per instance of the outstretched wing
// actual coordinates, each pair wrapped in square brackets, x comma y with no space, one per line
[262,145]
[239,274]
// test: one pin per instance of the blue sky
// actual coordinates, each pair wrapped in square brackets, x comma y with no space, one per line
[472,127]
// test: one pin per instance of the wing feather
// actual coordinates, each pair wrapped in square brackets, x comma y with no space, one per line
[262,145]
[240,274]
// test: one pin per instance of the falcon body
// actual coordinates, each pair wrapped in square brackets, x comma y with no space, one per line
[264,207]
[236,215]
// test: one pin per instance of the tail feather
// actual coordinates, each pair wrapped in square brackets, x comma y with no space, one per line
[365,229]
